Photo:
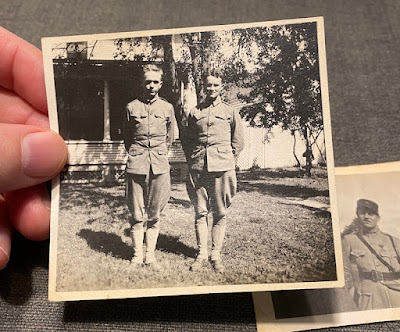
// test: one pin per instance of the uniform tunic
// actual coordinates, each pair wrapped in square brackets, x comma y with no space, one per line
[148,133]
[360,264]
[213,136]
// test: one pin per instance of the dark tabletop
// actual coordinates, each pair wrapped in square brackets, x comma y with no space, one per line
[362,43]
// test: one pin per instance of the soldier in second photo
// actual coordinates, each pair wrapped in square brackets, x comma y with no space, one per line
[371,260]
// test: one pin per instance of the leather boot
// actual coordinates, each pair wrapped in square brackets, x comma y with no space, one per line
[137,234]
[218,235]
[153,229]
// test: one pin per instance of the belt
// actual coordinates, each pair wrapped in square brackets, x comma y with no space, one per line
[377,276]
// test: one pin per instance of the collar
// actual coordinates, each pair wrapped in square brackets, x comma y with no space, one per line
[207,103]
[373,232]
[217,101]
[149,101]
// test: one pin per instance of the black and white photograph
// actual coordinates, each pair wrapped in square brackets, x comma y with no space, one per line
[369,208]
[200,161]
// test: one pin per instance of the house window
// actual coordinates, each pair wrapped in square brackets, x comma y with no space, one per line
[80,107]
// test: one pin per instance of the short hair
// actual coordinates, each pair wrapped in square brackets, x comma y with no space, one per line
[153,67]
[212,72]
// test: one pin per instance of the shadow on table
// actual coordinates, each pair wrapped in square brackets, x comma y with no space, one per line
[16,279]
[214,308]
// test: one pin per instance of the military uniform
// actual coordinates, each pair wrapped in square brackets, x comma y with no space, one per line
[148,133]
[375,277]
[213,137]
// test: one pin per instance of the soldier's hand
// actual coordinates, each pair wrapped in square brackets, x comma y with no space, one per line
[30,153]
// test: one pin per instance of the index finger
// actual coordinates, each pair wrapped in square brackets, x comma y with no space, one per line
[21,69]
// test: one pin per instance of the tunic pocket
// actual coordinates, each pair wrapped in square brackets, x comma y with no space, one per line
[390,256]
[162,151]
[138,117]
[199,117]
[134,151]
[160,117]
[358,253]
[223,117]
[224,149]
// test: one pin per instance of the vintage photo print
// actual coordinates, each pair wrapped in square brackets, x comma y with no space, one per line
[200,161]
[369,209]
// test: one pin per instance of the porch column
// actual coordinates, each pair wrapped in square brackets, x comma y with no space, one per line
[107,174]
[107,134]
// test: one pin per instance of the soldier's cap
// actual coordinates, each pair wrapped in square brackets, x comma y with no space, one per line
[365,204]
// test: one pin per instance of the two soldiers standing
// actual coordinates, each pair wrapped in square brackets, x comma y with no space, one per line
[212,137]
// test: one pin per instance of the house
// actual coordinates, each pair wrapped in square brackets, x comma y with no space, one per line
[91,96]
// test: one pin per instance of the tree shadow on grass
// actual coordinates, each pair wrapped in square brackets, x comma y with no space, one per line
[84,194]
[172,245]
[281,190]
[318,212]
[107,243]
[262,174]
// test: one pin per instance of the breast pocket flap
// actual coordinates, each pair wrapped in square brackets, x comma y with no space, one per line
[134,151]
[162,152]
[358,253]
[224,149]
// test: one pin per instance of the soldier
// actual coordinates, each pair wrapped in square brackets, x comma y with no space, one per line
[212,139]
[371,260]
[148,134]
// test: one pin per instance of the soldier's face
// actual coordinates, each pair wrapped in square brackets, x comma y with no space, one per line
[152,82]
[368,218]
[213,87]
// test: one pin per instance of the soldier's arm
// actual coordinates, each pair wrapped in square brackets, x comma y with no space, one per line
[237,134]
[170,127]
[126,131]
[348,275]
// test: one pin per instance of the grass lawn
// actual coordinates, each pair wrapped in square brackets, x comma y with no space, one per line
[267,240]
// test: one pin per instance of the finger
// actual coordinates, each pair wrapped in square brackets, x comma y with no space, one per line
[29,155]
[21,69]
[29,211]
[14,109]
[5,234]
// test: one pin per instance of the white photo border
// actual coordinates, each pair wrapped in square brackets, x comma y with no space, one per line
[55,295]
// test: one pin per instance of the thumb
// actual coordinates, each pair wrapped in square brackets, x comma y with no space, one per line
[29,155]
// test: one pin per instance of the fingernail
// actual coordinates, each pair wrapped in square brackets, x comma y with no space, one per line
[42,154]
[4,258]
[46,200]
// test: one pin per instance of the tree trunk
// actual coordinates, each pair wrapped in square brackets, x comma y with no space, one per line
[196,63]
[294,149]
[171,79]
[308,153]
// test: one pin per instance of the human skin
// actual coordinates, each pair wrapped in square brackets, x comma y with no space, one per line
[31,154]
[213,87]
[368,219]
[152,82]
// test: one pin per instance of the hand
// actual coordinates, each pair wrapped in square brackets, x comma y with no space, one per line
[30,153]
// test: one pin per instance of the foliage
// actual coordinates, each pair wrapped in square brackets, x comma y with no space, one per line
[285,86]
[274,71]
